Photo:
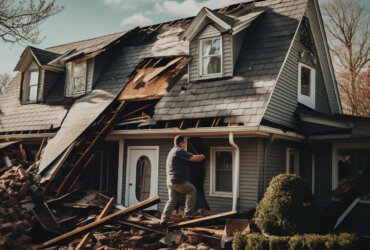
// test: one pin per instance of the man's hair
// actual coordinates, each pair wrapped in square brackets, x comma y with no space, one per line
[178,139]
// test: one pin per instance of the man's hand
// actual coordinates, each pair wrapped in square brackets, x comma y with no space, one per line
[197,158]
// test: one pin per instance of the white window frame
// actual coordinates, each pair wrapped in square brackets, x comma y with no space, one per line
[72,80]
[28,83]
[307,100]
[335,148]
[201,75]
[296,160]
[213,191]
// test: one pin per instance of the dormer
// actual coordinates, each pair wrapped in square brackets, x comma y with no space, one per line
[37,77]
[78,77]
[215,42]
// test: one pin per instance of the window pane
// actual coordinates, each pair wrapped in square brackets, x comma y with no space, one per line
[211,47]
[143,177]
[224,166]
[211,65]
[34,78]
[79,85]
[79,69]
[352,162]
[33,93]
[305,81]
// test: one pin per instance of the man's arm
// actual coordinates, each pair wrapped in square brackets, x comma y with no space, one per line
[197,158]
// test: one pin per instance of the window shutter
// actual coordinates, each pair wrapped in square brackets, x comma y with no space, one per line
[68,79]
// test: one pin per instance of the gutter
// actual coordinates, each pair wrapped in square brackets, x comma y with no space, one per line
[236,171]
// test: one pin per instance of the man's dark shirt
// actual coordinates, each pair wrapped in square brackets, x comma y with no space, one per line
[177,165]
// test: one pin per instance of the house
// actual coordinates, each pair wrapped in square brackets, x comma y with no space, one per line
[251,84]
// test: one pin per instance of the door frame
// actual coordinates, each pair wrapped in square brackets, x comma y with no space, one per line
[155,173]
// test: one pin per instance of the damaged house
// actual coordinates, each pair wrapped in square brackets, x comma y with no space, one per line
[250,85]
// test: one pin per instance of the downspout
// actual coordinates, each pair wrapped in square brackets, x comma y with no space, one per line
[236,171]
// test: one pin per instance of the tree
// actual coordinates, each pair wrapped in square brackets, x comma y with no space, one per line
[4,81]
[20,20]
[347,26]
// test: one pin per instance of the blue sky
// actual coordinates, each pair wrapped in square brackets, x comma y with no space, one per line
[82,19]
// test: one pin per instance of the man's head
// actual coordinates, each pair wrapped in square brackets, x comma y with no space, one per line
[180,141]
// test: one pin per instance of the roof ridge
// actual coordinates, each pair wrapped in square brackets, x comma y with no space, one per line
[84,40]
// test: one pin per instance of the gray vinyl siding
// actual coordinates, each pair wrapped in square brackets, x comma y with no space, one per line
[323,173]
[284,99]
[227,53]
[248,171]
[49,79]
[324,60]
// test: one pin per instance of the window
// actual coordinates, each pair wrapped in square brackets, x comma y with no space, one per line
[210,57]
[79,78]
[222,166]
[33,86]
[349,160]
[292,161]
[306,85]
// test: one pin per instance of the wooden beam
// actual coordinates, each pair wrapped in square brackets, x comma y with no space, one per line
[104,213]
[37,156]
[137,110]
[130,224]
[203,219]
[139,206]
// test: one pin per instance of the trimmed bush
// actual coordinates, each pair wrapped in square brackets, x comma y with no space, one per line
[288,207]
[257,241]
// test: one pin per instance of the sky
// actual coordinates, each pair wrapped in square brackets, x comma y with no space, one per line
[83,19]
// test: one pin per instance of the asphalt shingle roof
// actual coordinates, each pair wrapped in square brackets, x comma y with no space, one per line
[43,56]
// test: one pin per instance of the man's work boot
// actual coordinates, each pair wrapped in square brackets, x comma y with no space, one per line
[191,214]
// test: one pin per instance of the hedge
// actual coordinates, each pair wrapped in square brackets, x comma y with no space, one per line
[257,241]
[287,208]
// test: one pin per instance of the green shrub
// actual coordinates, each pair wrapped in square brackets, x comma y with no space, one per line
[239,241]
[288,207]
[257,241]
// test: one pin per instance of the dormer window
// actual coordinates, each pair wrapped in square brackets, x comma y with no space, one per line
[79,78]
[210,57]
[306,85]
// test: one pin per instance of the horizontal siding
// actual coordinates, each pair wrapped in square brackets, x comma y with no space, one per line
[227,57]
[209,31]
[49,80]
[323,163]
[284,99]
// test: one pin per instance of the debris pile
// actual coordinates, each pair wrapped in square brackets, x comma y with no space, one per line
[15,222]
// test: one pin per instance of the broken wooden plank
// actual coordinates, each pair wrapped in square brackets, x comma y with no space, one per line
[139,206]
[77,205]
[140,227]
[203,219]
[104,213]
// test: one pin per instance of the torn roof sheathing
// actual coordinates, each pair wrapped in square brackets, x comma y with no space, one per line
[152,78]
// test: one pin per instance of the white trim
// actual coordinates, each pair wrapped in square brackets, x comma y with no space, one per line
[334,167]
[154,175]
[212,190]
[283,64]
[311,99]
[296,160]
[313,173]
[325,41]
[200,72]
[120,172]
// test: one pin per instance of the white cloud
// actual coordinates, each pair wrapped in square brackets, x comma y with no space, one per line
[136,19]
[190,7]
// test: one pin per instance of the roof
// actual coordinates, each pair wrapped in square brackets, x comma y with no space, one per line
[43,56]
[242,98]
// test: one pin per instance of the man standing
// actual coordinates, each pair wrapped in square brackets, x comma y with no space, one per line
[177,173]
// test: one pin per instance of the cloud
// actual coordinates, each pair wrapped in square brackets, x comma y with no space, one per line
[135,20]
[190,7]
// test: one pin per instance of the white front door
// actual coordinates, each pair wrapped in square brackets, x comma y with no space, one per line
[142,173]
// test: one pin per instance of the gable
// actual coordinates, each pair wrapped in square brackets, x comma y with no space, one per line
[209,31]
[284,99]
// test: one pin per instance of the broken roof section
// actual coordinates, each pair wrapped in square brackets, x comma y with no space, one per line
[152,78]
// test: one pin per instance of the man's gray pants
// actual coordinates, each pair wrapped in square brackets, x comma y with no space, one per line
[174,191]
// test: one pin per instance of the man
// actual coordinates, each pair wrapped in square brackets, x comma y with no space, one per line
[177,171]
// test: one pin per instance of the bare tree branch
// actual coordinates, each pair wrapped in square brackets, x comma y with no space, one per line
[347,24]
[20,20]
